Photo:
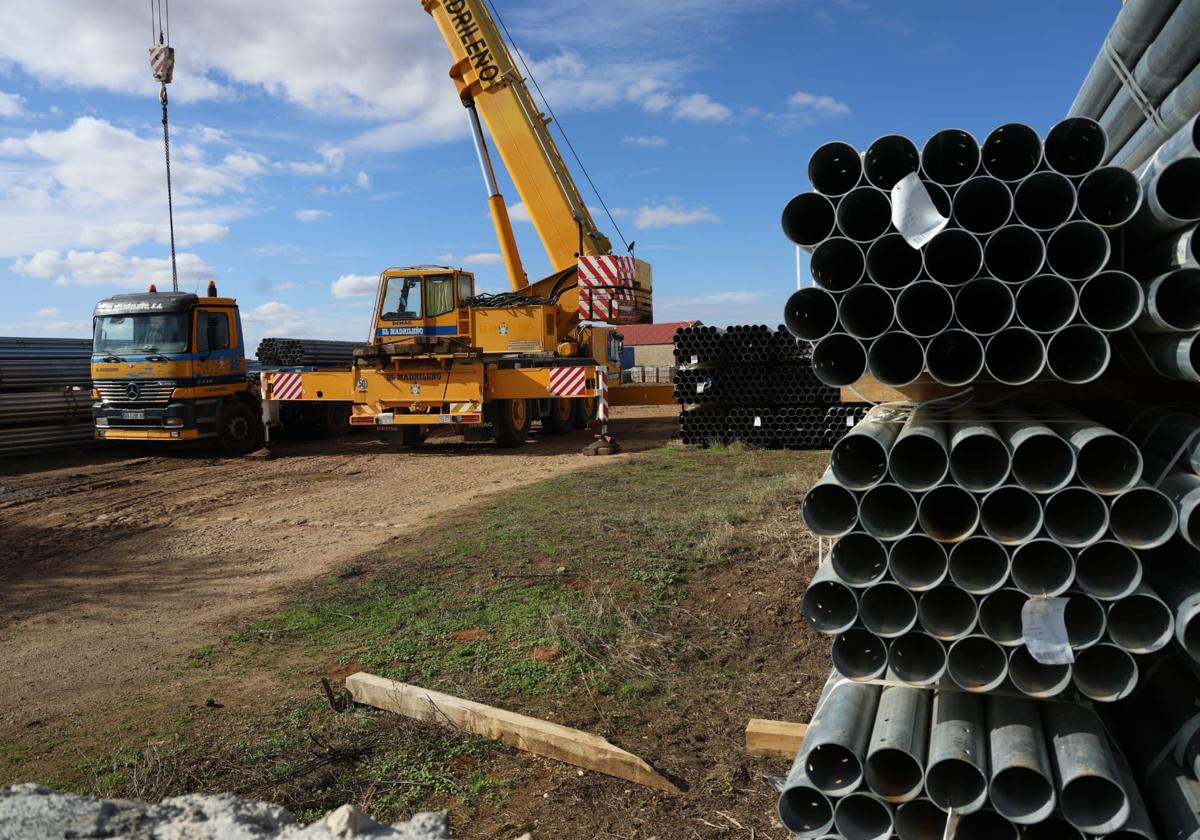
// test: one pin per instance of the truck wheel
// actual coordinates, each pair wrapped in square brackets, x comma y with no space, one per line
[585,411]
[336,421]
[237,428]
[561,417]
[512,419]
[413,436]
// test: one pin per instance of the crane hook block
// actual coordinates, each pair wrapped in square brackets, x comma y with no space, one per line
[162,63]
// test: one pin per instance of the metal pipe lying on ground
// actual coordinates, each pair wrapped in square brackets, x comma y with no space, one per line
[953,357]
[948,513]
[892,263]
[859,654]
[1171,202]
[1143,517]
[835,168]
[1172,303]
[1014,254]
[1111,301]
[1104,673]
[1110,196]
[1022,780]
[1174,794]
[837,264]
[953,257]
[1000,617]
[1011,515]
[866,311]
[810,314]
[1105,461]
[1140,622]
[1175,356]
[917,658]
[888,512]
[864,214]
[1078,250]
[1042,567]
[983,204]
[1178,250]
[984,306]
[895,766]
[897,359]
[1012,152]
[889,159]
[1108,570]
[1052,828]
[1042,461]
[920,457]
[1177,115]
[860,459]
[1044,201]
[1075,517]
[839,360]
[1075,146]
[956,774]
[917,562]
[979,458]
[1046,304]
[1035,679]
[828,604]
[859,560]
[863,816]
[1015,356]
[1085,619]
[829,509]
[1171,572]
[976,664]
[920,819]
[1090,791]
[888,610]
[1078,354]
[924,309]
[808,218]
[947,613]
[985,825]
[1183,489]
[978,565]
[950,157]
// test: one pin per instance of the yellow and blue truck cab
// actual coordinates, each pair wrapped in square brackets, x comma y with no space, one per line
[172,366]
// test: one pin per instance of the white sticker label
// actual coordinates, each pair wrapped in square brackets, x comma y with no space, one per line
[1044,627]
[695,360]
[700,386]
[850,421]
[914,213]
[757,422]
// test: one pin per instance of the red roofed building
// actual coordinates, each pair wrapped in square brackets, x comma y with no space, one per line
[651,345]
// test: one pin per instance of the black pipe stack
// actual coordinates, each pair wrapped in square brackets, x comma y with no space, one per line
[303,352]
[45,400]
[754,385]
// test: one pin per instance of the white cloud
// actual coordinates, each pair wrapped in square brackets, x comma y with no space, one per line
[362,180]
[817,104]
[653,140]
[49,313]
[334,156]
[699,107]
[484,258]
[519,213]
[12,106]
[311,215]
[354,285]
[272,249]
[670,215]
[109,268]
[124,235]
[305,168]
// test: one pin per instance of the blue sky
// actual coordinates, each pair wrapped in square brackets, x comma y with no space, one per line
[316,143]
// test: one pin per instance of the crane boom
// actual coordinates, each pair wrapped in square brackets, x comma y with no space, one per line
[488,81]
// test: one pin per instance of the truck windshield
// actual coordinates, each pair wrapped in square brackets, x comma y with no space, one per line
[402,300]
[141,334]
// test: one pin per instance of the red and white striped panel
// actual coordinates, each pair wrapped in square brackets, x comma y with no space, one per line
[568,381]
[604,304]
[607,270]
[602,397]
[162,63]
[287,386]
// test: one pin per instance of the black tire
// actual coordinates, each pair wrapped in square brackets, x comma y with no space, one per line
[585,411]
[413,436]
[336,420]
[238,430]
[511,420]
[561,418]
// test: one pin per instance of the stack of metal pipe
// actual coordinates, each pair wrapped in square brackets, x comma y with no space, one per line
[754,385]
[1016,287]
[302,352]
[45,401]
[898,761]
[948,525]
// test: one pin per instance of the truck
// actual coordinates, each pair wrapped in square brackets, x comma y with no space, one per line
[172,366]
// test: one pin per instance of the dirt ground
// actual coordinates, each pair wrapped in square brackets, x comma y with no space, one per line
[112,568]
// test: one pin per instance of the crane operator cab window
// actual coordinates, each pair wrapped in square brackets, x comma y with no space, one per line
[439,294]
[402,300]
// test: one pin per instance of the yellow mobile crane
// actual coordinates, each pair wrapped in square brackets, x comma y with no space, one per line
[438,354]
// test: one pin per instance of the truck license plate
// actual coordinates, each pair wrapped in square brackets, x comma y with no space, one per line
[447,418]
[385,419]
[128,414]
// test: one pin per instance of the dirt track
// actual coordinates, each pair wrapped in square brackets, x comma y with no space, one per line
[112,571]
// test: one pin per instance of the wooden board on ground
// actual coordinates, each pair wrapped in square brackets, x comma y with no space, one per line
[774,738]
[540,737]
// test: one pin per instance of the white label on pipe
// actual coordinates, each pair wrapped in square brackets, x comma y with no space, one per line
[914,213]
[850,421]
[700,386]
[757,422]
[1045,630]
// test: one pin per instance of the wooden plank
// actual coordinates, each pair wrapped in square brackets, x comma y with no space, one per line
[540,737]
[774,738]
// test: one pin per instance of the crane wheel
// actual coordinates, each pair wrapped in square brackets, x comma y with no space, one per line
[511,420]
[337,420]
[561,418]
[413,436]
[237,428]
[585,411]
